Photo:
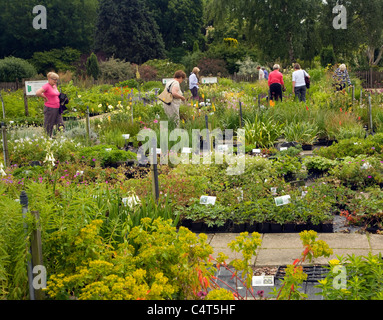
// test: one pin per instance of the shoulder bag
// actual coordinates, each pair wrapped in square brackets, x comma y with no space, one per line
[166,96]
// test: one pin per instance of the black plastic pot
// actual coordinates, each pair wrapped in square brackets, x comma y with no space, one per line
[307,147]
[264,227]
[276,228]
[327,227]
[289,228]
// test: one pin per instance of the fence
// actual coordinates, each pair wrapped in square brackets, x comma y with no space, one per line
[12,86]
[370,79]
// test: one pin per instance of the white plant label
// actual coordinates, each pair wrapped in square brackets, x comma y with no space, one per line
[263,281]
[256,151]
[280,201]
[126,136]
[283,149]
[207,200]
[186,150]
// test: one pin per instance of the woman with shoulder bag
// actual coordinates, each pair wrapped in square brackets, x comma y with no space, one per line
[172,109]
[299,82]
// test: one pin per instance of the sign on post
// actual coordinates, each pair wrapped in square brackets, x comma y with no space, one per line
[32,86]
[209,80]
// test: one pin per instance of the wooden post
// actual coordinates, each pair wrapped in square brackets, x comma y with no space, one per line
[37,252]
[2,105]
[370,114]
[87,125]
[24,204]
[5,144]
[154,167]
[25,100]
[207,133]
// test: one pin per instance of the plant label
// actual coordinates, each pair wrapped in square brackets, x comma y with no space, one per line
[126,136]
[280,201]
[282,148]
[263,281]
[273,191]
[207,200]
[222,148]
[186,150]
[256,151]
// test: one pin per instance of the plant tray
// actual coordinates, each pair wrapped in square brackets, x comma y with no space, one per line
[314,273]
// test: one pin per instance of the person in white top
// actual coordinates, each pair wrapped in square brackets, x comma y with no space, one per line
[194,83]
[261,73]
[299,83]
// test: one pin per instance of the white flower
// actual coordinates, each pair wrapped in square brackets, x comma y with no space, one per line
[49,158]
[132,200]
[110,107]
[100,105]
[2,172]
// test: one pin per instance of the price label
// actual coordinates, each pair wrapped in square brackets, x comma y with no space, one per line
[263,281]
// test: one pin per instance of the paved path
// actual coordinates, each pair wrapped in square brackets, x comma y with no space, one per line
[282,249]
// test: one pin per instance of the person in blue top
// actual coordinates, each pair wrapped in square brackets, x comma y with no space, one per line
[341,78]
[266,73]
[194,83]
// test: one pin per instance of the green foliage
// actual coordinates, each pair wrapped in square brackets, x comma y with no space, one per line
[327,57]
[302,132]
[105,155]
[121,21]
[164,67]
[353,278]
[92,67]
[12,69]
[116,69]
[56,60]
[262,131]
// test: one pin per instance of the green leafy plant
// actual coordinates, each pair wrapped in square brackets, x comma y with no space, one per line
[262,132]
[295,276]
[353,278]
[303,132]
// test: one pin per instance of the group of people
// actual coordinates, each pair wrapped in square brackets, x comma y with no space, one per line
[49,92]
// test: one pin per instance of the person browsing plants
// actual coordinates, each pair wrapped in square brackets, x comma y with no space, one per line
[299,82]
[276,83]
[50,94]
[172,110]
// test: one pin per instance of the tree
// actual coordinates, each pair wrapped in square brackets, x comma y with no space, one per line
[364,29]
[277,27]
[180,21]
[127,30]
[92,67]
[70,23]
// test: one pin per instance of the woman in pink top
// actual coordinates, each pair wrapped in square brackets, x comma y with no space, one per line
[50,94]
[276,83]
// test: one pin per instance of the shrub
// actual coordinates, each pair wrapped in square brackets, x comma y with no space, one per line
[12,68]
[116,69]
[92,67]
[215,67]
[165,68]
[56,59]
